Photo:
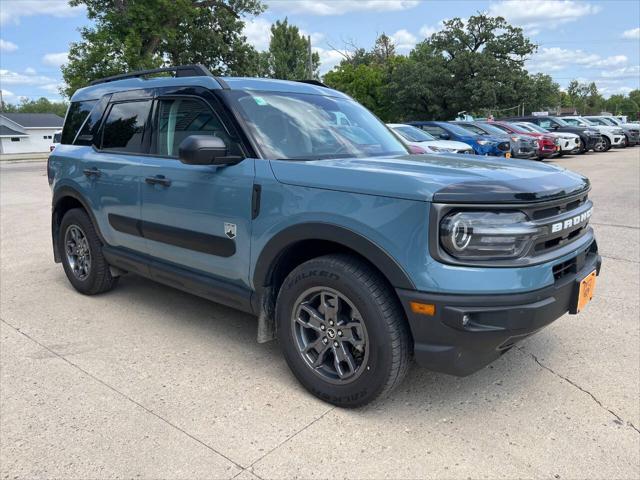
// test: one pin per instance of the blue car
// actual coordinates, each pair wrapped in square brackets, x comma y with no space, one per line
[481,144]
[293,203]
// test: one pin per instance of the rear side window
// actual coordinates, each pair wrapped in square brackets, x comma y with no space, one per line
[433,130]
[124,127]
[178,118]
[76,115]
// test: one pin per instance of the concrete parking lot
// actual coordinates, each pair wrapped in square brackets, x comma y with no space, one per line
[149,382]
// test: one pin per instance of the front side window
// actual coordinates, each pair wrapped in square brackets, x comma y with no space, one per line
[544,123]
[179,118]
[474,129]
[433,130]
[572,121]
[76,115]
[124,126]
[291,126]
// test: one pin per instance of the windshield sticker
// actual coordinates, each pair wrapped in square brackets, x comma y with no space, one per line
[260,100]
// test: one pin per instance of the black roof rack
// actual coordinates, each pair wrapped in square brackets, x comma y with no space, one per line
[180,71]
[317,83]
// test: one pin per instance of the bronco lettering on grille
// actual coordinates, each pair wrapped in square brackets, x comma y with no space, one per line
[571,222]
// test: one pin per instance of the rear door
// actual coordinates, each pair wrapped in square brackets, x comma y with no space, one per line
[197,216]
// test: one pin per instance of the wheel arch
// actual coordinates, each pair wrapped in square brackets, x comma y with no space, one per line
[65,199]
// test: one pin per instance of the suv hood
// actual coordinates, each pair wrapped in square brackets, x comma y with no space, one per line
[433,177]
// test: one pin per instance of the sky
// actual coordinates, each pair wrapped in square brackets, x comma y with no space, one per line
[578,39]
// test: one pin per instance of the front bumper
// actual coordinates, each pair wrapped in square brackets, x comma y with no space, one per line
[468,332]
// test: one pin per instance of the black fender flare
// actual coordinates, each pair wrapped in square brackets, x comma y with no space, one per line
[59,194]
[289,236]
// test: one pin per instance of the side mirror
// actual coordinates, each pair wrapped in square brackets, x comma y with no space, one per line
[444,136]
[205,150]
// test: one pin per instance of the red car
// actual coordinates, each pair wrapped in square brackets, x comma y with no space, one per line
[546,143]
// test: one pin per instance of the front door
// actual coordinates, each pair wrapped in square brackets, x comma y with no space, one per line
[196,216]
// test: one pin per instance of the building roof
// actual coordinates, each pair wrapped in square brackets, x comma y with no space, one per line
[35,120]
[8,132]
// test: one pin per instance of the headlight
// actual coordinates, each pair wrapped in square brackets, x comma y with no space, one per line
[483,142]
[592,132]
[515,138]
[483,235]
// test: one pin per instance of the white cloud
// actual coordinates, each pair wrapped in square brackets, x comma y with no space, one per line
[30,71]
[55,59]
[7,93]
[624,72]
[13,10]
[29,77]
[258,32]
[52,87]
[633,34]
[404,40]
[340,7]
[555,58]
[6,46]
[535,15]
[428,30]
[329,58]
[316,37]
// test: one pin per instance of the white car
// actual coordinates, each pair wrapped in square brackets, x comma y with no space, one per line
[612,136]
[567,142]
[57,136]
[419,138]
[631,130]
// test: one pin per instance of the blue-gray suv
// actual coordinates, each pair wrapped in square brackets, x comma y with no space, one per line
[291,201]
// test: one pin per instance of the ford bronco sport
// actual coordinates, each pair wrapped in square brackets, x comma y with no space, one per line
[292,202]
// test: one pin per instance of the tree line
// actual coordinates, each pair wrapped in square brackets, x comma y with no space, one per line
[476,66]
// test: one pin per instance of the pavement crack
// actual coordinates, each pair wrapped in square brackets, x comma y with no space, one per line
[593,397]
[110,387]
[630,227]
[619,259]
[291,437]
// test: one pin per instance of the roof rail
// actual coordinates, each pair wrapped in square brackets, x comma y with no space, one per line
[317,83]
[180,71]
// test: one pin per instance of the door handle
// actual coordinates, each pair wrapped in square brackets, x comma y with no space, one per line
[91,172]
[158,180]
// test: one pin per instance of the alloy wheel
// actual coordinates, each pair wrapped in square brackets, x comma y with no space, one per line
[78,253]
[330,335]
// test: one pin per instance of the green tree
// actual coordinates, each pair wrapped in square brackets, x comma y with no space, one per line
[475,66]
[288,54]
[540,92]
[41,105]
[139,34]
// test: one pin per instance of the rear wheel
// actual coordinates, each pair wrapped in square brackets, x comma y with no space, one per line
[81,252]
[342,330]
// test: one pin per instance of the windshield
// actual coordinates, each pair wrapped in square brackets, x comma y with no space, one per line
[586,121]
[614,120]
[413,134]
[532,127]
[458,130]
[292,126]
[492,129]
[603,121]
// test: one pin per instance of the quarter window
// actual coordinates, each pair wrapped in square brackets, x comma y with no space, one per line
[76,115]
[124,126]
[179,118]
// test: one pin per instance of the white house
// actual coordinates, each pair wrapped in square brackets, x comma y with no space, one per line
[28,132]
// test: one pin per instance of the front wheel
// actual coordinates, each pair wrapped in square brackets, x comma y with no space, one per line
[342,330]
[581,147]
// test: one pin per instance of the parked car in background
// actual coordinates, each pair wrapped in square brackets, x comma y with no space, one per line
[631,130]
[415,137]
[522,146]
[590,138]
[481,144]
[546,144]
[611,136]
[565,141]
[57,136]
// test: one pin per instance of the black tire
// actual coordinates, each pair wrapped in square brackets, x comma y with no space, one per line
[388,342]
[625,142]
[581,148]
[98,278]
[607,144]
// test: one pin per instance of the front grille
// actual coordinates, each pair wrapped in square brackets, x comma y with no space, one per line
[573,265]
[504,146]
[558,213]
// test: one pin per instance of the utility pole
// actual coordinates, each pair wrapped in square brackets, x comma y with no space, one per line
[309,57]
